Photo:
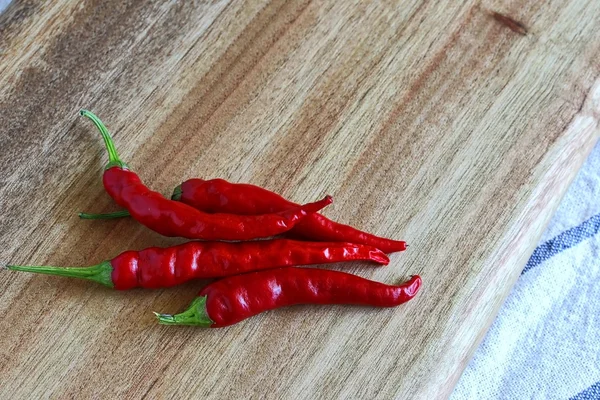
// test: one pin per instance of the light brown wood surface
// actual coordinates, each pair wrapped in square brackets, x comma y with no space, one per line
[429,121]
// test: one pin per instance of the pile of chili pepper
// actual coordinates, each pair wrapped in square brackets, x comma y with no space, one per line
[225,220]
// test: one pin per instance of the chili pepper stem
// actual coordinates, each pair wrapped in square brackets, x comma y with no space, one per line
[100,273]
[113,156]
[110,215]
[195,315]
[177,193]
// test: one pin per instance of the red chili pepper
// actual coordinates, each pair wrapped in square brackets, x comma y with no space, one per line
[172,218]
[218,195]
[230,300]
[157,267]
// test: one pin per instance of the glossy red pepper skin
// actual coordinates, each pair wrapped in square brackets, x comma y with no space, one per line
[173,218]
[158,267]
[164,267]
[218,195]
[233,299]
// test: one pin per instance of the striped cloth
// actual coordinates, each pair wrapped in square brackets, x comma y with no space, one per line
[545,342]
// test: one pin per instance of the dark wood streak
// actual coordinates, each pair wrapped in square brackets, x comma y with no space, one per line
[512,24]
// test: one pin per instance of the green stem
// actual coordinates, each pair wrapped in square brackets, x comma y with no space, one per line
[110,215]
[177,193]
[100,273]
[195,315]
[113,156]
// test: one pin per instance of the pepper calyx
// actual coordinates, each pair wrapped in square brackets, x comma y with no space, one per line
[118,164]
[195,315]
[177,192]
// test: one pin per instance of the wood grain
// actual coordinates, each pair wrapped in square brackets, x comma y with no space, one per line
[434,122]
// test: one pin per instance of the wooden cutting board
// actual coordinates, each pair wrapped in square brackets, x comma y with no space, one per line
[434,122]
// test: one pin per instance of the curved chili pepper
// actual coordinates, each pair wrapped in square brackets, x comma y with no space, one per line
[230,300]
[218,195]
[157,267]
[173,218]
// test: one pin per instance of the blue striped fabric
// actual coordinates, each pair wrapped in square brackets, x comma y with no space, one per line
[563,242]
[553,247]
[591,393]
